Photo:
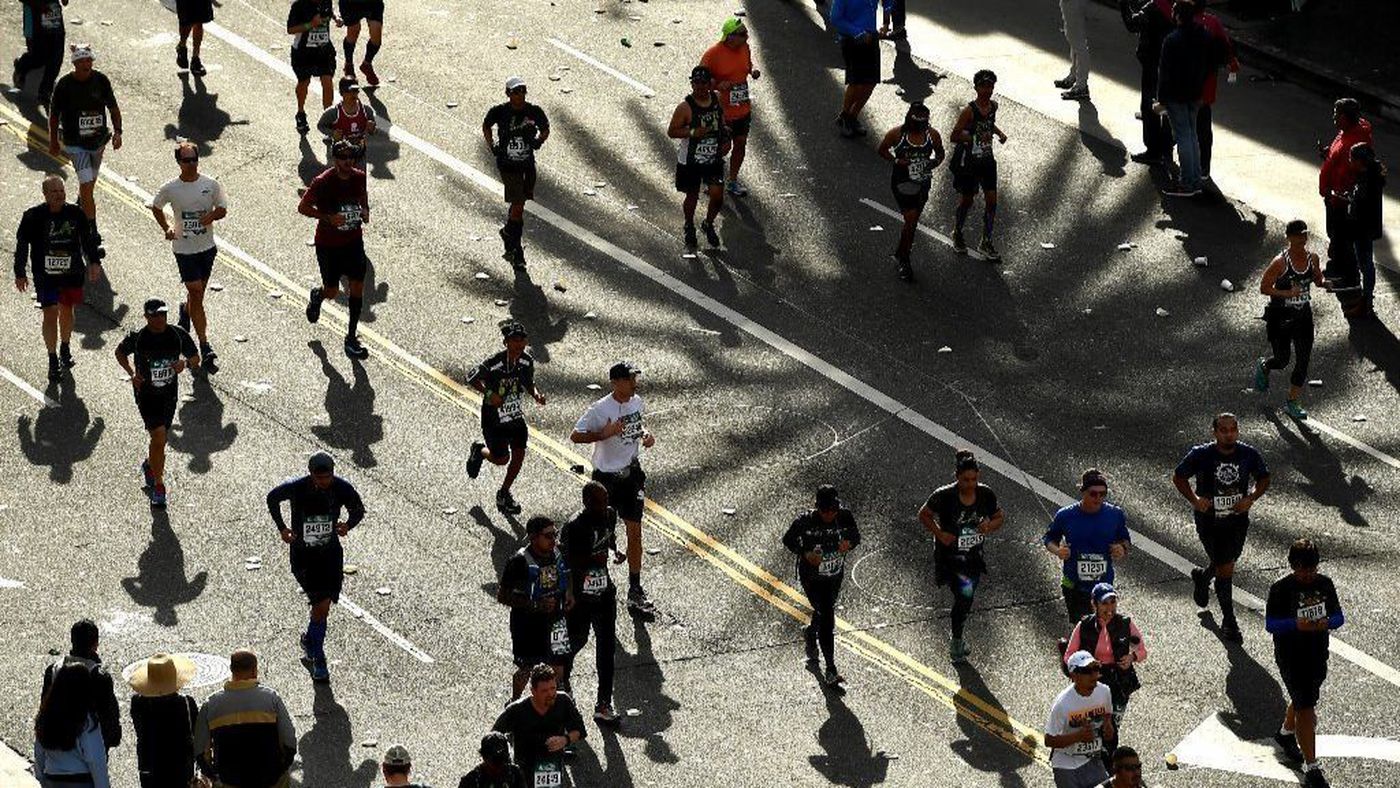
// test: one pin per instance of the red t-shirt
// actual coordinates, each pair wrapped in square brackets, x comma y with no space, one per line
[1336,175]
[330,193]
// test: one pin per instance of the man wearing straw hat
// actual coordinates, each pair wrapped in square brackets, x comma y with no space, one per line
[163,719]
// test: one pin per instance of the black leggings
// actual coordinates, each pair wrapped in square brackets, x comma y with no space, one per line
[822,592]
[897,15]
[1295,333]
[1205,135]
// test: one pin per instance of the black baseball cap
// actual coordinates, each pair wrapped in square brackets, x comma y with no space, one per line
[827,498]
[701,74]
[155,306]
[623,369]
[513,328]
[495,747]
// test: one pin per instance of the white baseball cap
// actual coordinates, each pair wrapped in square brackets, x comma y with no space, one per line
[1080,660]
[81,52]
[515,82]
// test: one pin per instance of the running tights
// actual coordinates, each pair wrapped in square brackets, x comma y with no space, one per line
[821,592]
[1295,334]
[963,588]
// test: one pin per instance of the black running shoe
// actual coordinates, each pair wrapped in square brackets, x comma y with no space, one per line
[1289,743]
[1230,633]
[832,677]
[505,503]
[1200,587]
[313,305]
[353,349]
[302,126]
[959,243]
[182,57]
[197,68]
[65,356]
[17,76]
[903,269]
[690,240]
[208,359]
[55,369]
[711,237]
[474,460]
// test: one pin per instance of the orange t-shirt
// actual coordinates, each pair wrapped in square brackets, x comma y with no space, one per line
[730,65]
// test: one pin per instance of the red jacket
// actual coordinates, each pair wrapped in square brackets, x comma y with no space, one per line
[1217,31]
[1336,173]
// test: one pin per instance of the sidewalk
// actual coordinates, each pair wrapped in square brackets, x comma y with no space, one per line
[14,769]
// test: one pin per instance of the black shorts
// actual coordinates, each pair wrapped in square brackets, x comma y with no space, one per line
[627,494]
[194,12]
[529,646]
[978,173]
[1223,538]
[498,437]
[198,266]
[910,202]
[862,61]
[739,127]
[157,410]
[337,261]
[352,11]
[587,610]
[690,178]
[320,577]
[311,62]
[520,186]
[1303,678]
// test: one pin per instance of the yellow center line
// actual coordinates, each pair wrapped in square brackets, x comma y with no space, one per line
[759,581]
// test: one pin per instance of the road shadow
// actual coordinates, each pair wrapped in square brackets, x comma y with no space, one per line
[381,149]
[327,749]
[1375,342]
[530,306]
[103,313]
[1326,481]
[160,583]
[60,437]
[354,425]
[916,82]
[1113,155]
[642,679]
[376,292]
[747,242]
[587,770]
[504,544]
[310,165]
[846,757]
[201,431]
[199,119]
[989,744]
[1257,703]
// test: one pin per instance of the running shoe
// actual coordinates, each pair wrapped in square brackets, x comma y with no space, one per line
[302,126]
[517,259]
[605,713]
[1179,190]
[1261,375]
[1296,410]
[55,371]
[183,320]
[208,359]
[1200,587]
[355,350]
[832,677]
[638,603]
[898,34]
[810,638]
[197,67]
[958,651]
[1230,632]
[690,240]
[65,356]
[988,250]
[17,76]
[1148,157]
[313,305]
[1075,94]
[711,237]
[320,672]
[307,658]
[1313,778]
[371,78]
[506,504]
[182,56]
[1066,83]
[844,125]
[474,460]
[737,189]
[158,496]
[1289,744]
[959,244]
[147,480]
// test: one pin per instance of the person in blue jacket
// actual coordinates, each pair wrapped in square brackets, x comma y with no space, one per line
[1088,537]
[853,22]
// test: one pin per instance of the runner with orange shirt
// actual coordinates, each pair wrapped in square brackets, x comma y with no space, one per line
[731,63]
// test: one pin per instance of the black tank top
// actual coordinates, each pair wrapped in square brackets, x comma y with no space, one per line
[1290,277]
[703,149]
[915,176]
[981,130]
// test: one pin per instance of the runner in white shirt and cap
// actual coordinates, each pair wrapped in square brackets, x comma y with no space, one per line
[1080,719]
[613,425]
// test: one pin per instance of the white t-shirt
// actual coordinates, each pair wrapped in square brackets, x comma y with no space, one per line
[1069,707]
[189,201]
[617,452]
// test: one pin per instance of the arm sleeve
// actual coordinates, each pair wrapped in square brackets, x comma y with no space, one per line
[22,246]
[792,540]
[161,198]
[541,120]
[308,199]
[505,723]
[275,497]
[588,421]
[87,239]
[1123,534]
[1056,723]
[852,530]
[110,96]
[511,577]
[1261,468]
[354,504]
[220,196]
[477,373]
[1187,467]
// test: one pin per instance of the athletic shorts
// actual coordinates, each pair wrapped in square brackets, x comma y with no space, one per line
[59,296]
[739,127]
[1303,678]
[520,186]
[194,12]
[352,11]
[587,610]
[627,494]
[498,437]
[910,202]
[86,161]
[979,173]
[529,646]
[197,266]
[313,62]
[337,261]
[157,410]
[1223,538]
[690,178]
[319,577]
[862,61]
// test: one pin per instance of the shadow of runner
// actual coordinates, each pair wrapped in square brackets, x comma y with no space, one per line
[350,407]
[503,544]
[199,119]
[1327,481]
[980,748]
[1112,155]
[327,750]
[381,149]
[102,314]
[1256,699]
[587,770]
[642,679]
[310,165]
[160,582]
[60,437]
[531,307]
[376,292]
[200,431]
[916,81]
[848,759]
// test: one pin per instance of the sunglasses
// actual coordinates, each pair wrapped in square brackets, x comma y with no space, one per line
[188,159]
[1128,767]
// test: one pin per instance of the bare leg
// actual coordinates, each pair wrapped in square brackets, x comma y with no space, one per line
[195,304]
[156,455]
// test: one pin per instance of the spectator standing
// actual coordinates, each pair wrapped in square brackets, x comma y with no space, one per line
[1222,53]
[1076,28]
[1336,180]
[1117,645]
[243,735]
[1181,78]
[1364,214]
[853,21]
[83,638]
[164,720]
[1152,21]
[68,742]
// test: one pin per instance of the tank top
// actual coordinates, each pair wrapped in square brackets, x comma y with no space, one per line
[1290,277]
[703,149]
[916,175]
[981,129]
[351,127]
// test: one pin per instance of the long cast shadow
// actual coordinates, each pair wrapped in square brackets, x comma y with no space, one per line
[103,313]
[160,582]
[200,118]
[1327,481]
[980,748]
[643,679]
[847,758]
[503,544]
[1375,342]
[531,307]
[200,431]
[60,437]
[355,426]
[382,149]
[327,750]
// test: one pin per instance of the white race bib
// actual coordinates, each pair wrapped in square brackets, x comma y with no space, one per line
[57,263]
[162,373]
[1302,299]
[738,94]
[707,149]
[559,637]
[52,17]
[90,124]
[1315,612]
[1224,504]
[1092,566]
[1084,748]
[548,775]
[832,564]
[511,409]
[968,540]
[517,149]
[190,221]
[919,170]
[317,530]
[595,582]
[318,36]
[352,212]
[632,427]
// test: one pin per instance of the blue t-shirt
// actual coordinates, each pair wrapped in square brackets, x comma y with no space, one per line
[1089,537]
[1223,478]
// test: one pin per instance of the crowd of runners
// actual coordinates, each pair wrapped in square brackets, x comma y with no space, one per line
[559,586]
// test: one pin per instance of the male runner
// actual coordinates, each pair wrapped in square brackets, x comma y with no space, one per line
[43,46]
[495,769]
[351,12]
[197,201]
[613,425]
[535,586]
[821,538]
[351,120]
[338,199]
[54,238]
[1221,501]
[318,560]
[1088,537]
[158,349]
[698,124]
[82,100]
[503,380]
[731,64]
[916,150]
[514,130]
[192,16]
[588,540]
[1081,719]
[313,54]
[974,165]
[542,724]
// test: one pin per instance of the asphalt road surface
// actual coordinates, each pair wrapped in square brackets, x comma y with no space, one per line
[788,357]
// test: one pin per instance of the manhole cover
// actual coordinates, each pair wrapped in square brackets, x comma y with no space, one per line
[209,669]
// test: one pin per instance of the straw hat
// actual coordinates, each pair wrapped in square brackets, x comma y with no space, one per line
[161,674]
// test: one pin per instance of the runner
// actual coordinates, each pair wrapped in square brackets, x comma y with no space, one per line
[1302,609]
[192,16]
[82,99]
[54,238]
[502,380]
[974,165]
[317,558]
[1088,537]
[960,515]
[520,128]
[496,770]
[197,201]
[1288,318]
[916,151]
[698,123]
[613,425]
[853,21]
[535,586]
[313,54]
[587,540]
[1117,645]
[351,120]
[1127,769]
[1080,721]
[731,64]
[351,12]
[158,349]
[821,539]
[1221,501]
[338,199]
[542,724]
[43,46]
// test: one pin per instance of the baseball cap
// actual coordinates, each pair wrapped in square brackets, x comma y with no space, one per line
[623,369]
[513,328]
[827,497]
[514,82]
[349,85]
[495,747]
[1080,660]
[1103,591]
[731,26]
[701,74]
[320,462]
[81,52]
[155,306]
[1295,227]
[398,756]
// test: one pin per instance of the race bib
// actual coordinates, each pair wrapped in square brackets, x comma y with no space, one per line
[706,150]
[1084,748]
[832,564]
[90,124]
[518,149]
[1313,612]
[919,170]
[353,213]
[548,775]
[57,263]
[968,540]
[317,530]
[162,372]
[190,221]
[632,427]
[1224,503]
[1092,566]
[511,409]
[318,36]
[52,17]
[559,637]
[738,94]
[1302,299]
[595,582]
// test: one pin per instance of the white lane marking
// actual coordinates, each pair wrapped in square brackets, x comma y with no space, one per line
[23,385]
[603,67]
[389,634]
[929,231]
[1213,745]
[778,342]
[7,583]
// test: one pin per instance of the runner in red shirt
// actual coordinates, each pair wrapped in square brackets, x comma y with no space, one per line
[339,202]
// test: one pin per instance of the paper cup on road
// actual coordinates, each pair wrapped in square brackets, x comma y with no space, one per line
[1227,285]
[1200,262]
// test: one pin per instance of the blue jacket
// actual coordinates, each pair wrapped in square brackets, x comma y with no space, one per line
[88,757]
[854,17]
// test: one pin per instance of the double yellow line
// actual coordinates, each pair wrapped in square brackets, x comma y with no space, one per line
[740,569]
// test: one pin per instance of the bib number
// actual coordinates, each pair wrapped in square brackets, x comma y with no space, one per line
[1224,504]
[162,373]
[1084,748]
[595,582]
[1092,566]
[632,427]
[548,775]
[706,150]
[352,213]
[1302,299]
[1313,612]
[739,94]
[52,17]
[918,170]
[559,638]
[510,409]
[967,540]
[57,263]
[317,531]
[318,36]
[90,124]
[832,565]
[190,220]
[517,149]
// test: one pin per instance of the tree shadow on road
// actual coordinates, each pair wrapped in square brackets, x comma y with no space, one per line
[1327,481]
[327,750]
[161,582]
[983,749]
[201,431]
[60,437]
[846,758]
[1375,342]
[355,426]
